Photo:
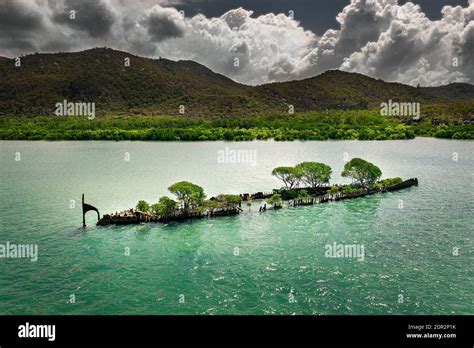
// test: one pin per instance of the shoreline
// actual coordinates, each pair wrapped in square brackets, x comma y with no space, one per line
[227,141]
[316,125]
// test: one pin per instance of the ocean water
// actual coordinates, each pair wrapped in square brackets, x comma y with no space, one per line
[418,243]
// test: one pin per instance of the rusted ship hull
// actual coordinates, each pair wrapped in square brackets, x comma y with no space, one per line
[133,218]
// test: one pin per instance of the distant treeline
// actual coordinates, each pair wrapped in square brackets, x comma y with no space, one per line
[323,125]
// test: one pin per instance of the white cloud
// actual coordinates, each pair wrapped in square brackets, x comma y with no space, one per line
[379,38]
[413,49]
[163,23]
[262,45]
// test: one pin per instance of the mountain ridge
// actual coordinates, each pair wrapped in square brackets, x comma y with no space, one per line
[160,86]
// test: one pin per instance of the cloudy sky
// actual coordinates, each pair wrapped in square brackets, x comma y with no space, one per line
[430,42]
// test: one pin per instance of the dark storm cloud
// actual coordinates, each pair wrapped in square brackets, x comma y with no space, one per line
[14,18]
[163,23]
[17,23]
[91,16]
[18,44]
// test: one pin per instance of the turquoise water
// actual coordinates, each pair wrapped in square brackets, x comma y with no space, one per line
[272,263]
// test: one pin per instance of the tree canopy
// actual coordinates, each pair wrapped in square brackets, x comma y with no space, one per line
[290,176]
[188,193]
[143,206]
[275,200]
[303,194]
[361,172]
[164,207]
[229,200]
[314,174]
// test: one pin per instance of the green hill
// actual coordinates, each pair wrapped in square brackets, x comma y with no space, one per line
[160,86]
[341,90]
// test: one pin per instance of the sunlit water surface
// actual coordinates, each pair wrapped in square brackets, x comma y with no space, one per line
[271,263]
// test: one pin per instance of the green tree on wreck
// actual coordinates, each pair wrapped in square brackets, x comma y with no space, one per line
[275,200]
[290,176]
[210,205]
[303,194]
[198,198]
[229,201]
[249,203]
[314,174]
[165,206]
[189,194]
[361,172]
[143,206]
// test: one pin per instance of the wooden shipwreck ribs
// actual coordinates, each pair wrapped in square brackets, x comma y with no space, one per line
[318,191]
[128,218]
[339,196]
[131,217]
[85,208]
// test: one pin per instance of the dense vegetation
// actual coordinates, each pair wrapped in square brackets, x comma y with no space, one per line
[332,124]
[311,175]
[275,201]
[191,199]
[143,102]
[362,173]
[296,182]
